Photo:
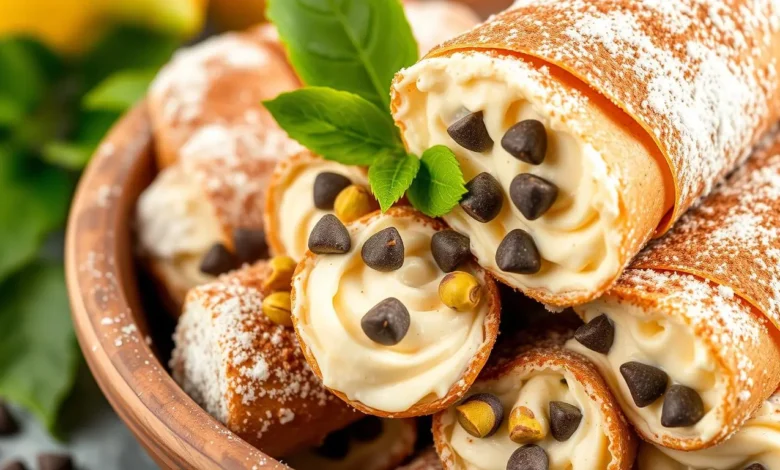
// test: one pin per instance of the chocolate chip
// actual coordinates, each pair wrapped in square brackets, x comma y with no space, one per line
[755,466]
[335,446]
[533,196]
[450,249]
[15,465]
[327,186]
[484,198]
[470,133]
[480,415]
[250,245]
[329,237]
[517,253]
[384,251]
[646,383]
[530,457]
[387,322]
[8,425]
[218,260]
[526,141]
[564,420]
[367,429]
[54,462]
[682,407]
[597,335]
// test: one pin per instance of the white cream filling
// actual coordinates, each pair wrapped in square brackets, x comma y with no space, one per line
[296,215]
[334,294]
[757,442]
[586,449]
[657,340]
[578,238]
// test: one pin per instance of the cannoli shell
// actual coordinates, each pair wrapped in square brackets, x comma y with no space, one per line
[426,460]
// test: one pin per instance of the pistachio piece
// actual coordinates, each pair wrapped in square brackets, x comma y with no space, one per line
[353,203]
[460,291]
[480,415]
[277,308]
[282,269]
[524,428]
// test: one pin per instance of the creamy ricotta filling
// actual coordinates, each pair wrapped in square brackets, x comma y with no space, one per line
[334,292]
[578,238]
[586,449]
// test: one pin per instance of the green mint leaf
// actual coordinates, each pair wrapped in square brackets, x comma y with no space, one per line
[338,125]
[120,91]
[439,184]
[38,351]
[350,45]
[390,176]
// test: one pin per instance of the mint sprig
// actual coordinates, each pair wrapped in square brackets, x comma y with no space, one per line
[348,51]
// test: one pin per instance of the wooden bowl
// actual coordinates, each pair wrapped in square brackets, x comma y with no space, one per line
[113,325]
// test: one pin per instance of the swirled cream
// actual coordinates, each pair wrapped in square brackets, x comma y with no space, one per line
[757,442]
[586,449]
[580,238]
[334,292]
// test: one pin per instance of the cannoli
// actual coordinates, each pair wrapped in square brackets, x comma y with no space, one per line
[369,444]
[427,460]
[687,339]
[583,128]
[392,313]
[754,447]
[237,356]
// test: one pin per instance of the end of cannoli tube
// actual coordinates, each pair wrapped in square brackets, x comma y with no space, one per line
[484,198]
[387,322]
[282,270]
[533,196]
[460,291]
[277,307]
[683,407]
[450,249]
[250,245]
[353,203]
[335,446]
[526,141]
[470,133]
[384,250]
[755,466]
[218,260]
[597,335]
[329,237]
[327,186]
[480,415]
[366,429]
[524,428]
[646,383]
[565,418]
[530,457]
[517,253]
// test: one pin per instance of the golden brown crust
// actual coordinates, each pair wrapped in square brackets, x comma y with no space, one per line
[476,364]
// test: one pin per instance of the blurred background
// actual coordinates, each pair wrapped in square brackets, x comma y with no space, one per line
[68,70]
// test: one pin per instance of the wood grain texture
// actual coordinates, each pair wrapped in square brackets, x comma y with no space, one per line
[111,325]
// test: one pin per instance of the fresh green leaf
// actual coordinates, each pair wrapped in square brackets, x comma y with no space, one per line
[11,113]
[350,45]
[38,351]
[68,155]
[338,125]
[22,78]
[390,176]
[120,91]
[439,184]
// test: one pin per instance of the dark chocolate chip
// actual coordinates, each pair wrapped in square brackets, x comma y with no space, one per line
[470,133]
[517,253]
[755,466]
[327,186]
[54,462]
[250,245]
[367,429]
[682,407]
[384,251]
[218,260]
[564,420]
[335,446]
[530,457]
[533,196]
[8,425]
[387,322]
[329,237]
[526,141]
[484,198]
[597,335]
[646,383]
[450,249]
[480,415]
[15,465]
